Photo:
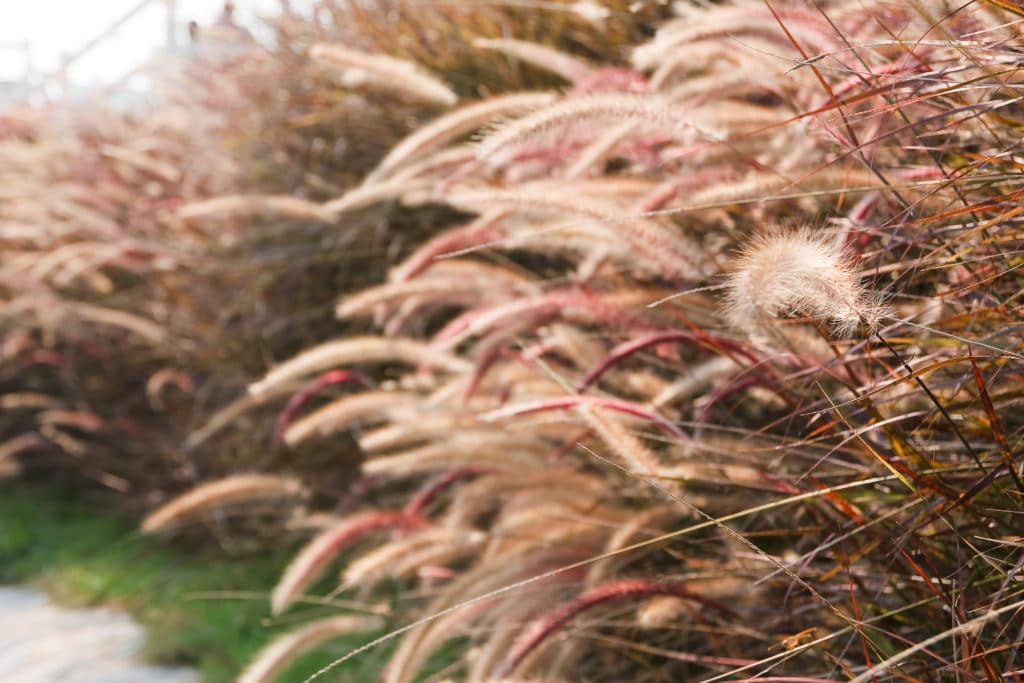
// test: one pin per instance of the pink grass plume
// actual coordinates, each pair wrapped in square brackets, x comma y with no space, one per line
[565,402]
[620,589]
[311,389]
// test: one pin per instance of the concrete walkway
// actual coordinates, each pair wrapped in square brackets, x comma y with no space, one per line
[43,643]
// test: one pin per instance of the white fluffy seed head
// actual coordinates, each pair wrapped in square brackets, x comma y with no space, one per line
[799,273]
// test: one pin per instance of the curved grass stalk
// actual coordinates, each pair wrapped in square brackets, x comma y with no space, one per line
[340,414]
[288,647]
[353,350]
[381,71]
[452,125]
[311,561]
[212,494]
[567,66]
[243,206]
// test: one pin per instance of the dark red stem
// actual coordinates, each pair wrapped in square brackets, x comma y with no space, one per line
[310,390]
[628,348]
[435,486]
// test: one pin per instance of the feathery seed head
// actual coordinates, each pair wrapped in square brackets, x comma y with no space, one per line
[797,273]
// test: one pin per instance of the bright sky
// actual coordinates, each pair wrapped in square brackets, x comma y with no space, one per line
[54,28]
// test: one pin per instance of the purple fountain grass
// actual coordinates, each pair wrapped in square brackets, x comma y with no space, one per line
[247,205]
[356,350]
[311,389]
[816,456]
[555,305]
[480,232]
[798,273]
[451,126]
[382,71]
[572,401]
[433,488]
[341,413]
[627,349]
[569,67]
[648,111]
[618,589]
[310,562]
[652,244]
[239,487]
[286,648]
[495,450]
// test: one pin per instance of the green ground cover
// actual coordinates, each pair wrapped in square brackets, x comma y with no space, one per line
[199,607]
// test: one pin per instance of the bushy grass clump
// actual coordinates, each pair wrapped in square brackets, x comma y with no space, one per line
[701,365]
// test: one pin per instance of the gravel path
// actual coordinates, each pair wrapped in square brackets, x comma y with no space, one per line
[43,643]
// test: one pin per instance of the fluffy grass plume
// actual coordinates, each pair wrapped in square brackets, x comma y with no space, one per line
[212,494]
[288,647]
[381,71]
[311,560]
[798,273]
